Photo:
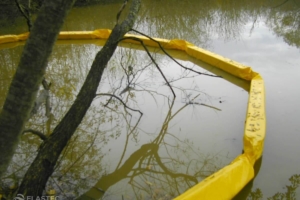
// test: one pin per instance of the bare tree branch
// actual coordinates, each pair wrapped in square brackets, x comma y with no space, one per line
[79,157]
[153,60]
[40,134]
[281,4]
[253,25]
[124,104]
[160,46]
[127,138]
[121,10]
[25,12]
[203,104]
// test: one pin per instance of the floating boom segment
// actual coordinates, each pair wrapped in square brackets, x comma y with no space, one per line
[231,179]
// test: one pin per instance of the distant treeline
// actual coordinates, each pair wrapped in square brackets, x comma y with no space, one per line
[9,9]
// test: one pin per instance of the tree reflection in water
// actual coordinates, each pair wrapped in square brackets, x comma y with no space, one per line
[162,168]
[289,194]
[151,175]
[224,18]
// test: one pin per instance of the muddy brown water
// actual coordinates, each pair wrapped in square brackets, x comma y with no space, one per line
[169,152]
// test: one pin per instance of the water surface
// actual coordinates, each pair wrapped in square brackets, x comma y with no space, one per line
[260,34]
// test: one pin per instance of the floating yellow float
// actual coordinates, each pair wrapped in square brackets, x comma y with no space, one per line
[231,179]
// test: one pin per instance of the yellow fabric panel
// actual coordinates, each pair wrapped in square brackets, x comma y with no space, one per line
[13,38]
[102,33]
[224,184]
[179,44]
[147,41]
[65,35]
[216,60]
[73,35]
[223,63]
[255,128]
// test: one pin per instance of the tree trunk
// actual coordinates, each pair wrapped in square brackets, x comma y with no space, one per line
[28,77]
[42,167]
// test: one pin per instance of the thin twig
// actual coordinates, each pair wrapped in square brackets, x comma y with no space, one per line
[61,190]
[79,157]
[26,13]
[253,25]
[202,104]
[132,84]
[35,132]
[114,92]
[182,77]
[66,150]
[124,104]
[152,59]
[172,174]
[160,46]
[121,10]
[281,4]
[126,143]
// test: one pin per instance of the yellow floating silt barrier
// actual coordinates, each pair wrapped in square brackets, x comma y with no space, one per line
[228,181]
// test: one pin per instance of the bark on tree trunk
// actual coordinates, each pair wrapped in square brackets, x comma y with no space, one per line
[42,167]
[28,77]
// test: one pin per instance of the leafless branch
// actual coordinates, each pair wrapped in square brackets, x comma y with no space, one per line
[79,157]
[126,142]
[253,25]
[131,81]
[165,52]
[114,92]
[182,77]
[281,4]
[203,104]
[153,60]
[58,185]
[25,12]
[40,134]
[124,104]
[69,146]
[121,10]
